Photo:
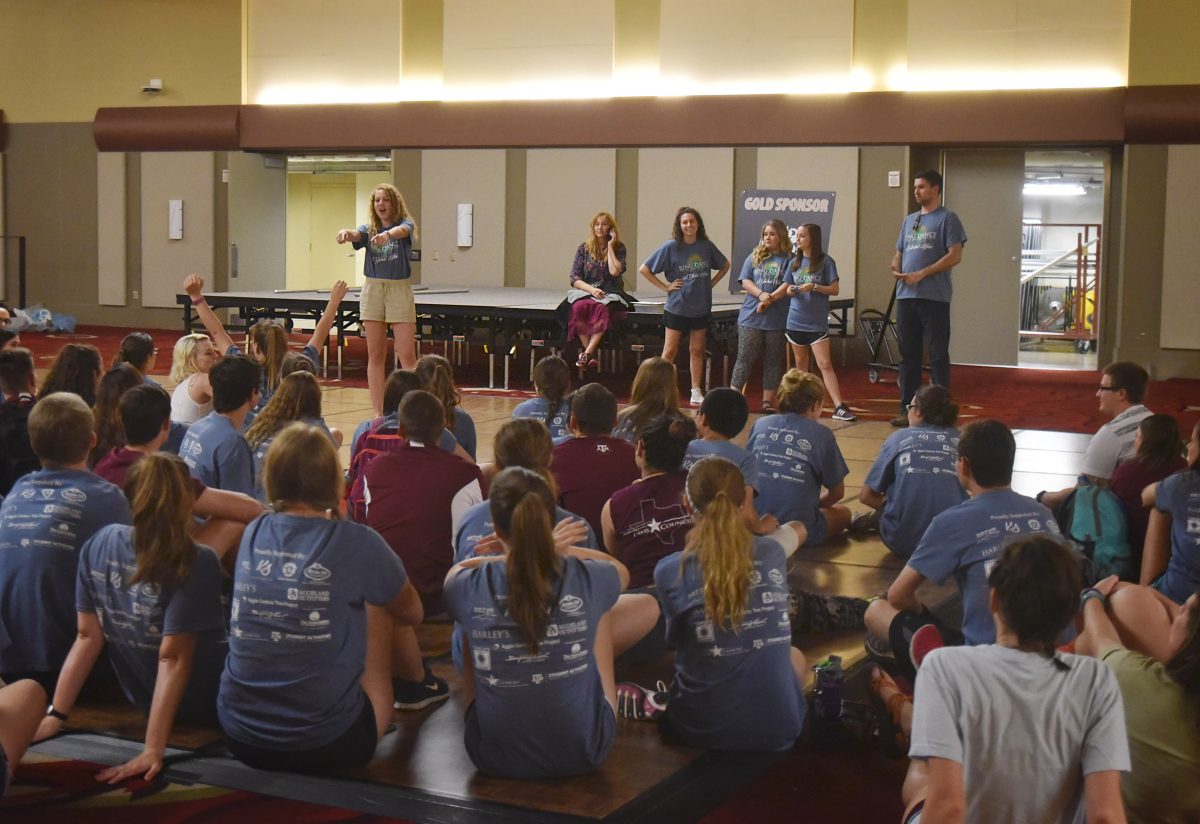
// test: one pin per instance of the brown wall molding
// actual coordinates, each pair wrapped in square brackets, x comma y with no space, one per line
[3,131]
[168,128]
[1157,114]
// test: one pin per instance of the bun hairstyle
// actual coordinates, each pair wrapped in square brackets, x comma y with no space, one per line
[159,489]
[523,512]
[799,391]
[720,540]
[665,441]
[136,350]
[936,408]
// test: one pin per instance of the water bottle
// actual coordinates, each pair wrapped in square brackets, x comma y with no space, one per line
[827,691]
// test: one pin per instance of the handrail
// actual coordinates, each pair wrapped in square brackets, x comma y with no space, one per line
[1060,259]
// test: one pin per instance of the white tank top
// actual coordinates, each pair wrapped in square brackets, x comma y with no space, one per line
[183,408]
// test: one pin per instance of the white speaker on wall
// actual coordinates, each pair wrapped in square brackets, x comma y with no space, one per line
[466,224]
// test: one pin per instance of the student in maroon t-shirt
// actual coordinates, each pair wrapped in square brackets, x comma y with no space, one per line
[645,521]
[1156,455]
[593,465]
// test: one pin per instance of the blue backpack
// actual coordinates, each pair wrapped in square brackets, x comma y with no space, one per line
[1093,518]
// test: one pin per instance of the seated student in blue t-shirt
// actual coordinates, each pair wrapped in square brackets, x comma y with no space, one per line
[154,597]
[797,458]
[43,522]
[399,384]
[268,340]
[552,406]
[721,418]
[964,542]
[725,598]
[437,377]
[542,623]
[213,449]
[22,707]
[913,480]
[297,399]
[307,686]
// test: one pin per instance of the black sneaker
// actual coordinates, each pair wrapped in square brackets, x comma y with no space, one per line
[417,695]
[900,421]
[843,413]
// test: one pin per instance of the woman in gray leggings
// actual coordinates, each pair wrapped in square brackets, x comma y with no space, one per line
[763,318]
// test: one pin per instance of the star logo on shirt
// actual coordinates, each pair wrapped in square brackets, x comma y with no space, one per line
[716,651]
[492,681]
[653,525]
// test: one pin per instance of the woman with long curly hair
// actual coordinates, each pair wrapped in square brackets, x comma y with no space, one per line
[597,297]
[76,368]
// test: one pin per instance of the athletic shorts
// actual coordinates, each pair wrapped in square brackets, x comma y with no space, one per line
[915,816]
[390,301]
[905,625]
[353,748]
[819,530]
[798,337]
[682,323]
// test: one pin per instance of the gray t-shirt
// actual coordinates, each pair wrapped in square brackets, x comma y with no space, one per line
[924,240]
[1025,731]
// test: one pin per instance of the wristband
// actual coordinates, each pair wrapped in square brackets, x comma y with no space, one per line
[1039,496]
[1089,594]
[53,713]
[198,301]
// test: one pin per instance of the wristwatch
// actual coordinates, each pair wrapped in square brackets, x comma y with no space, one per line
[53,713]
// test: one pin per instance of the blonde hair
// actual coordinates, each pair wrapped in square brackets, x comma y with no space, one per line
[654,393]
[183,357]
[299,397]
[597,250]
[523,512]
[761,252]
[159,489]
[437,375]
[720,540]
[526,442]
[271,344]
[799,391]
[302,468]
[399,207]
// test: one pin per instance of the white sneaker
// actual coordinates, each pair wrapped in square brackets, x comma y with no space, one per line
[697,396]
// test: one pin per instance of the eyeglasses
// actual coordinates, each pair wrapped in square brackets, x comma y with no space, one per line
[1103,388]
[912,405]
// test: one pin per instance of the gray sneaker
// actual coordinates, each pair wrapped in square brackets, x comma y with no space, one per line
[843,413]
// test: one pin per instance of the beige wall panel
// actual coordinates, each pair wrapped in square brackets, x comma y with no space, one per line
[64,58]
[110,226]
[3,244]
[450,177]
[293,54]
[527,41]
[565,187]
[833,169]
[756,40]
[670,178]
[257,222]
[186,176]
[1181,250]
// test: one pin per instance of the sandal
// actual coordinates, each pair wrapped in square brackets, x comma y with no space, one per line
[582,360]
[891,734]
[768,409]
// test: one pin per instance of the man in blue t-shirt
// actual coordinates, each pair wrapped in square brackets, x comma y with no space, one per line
[963,542]
[213,449]
[930,245]
[44,521]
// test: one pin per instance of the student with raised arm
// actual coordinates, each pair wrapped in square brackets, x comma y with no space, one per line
[193,356]
[1171,563]
[386,298]
[214,449]
[268,342]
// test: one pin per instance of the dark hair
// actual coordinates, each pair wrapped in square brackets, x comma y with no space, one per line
[6,335]
[817,245]
[422,417]
[136,349]
[523,513]
[1037,582]
[725,410]
[1184,665]
[594,409]
[110,433]
[1195,465]
[74,370]
[677,230]
[271,342]
[234,379]
[931,176]
[552,377]
[438,378]
[665,441]
[144,409]
[16,368]
[989,448]
[935,406]
[1129,376]
[60,429]
[399,384]
[1160,442]
[525,442]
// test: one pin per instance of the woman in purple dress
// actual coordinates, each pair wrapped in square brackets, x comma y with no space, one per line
[596,292]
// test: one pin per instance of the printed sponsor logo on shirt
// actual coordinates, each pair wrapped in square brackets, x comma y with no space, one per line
[705,632]
[47,494]
[194,447]
[570,604]
[482,658]
[990,532]
[289,570]
[28,493]
[75,496]
[776,576]
[317,573]
[294,594]
[1193,525]
[487,612]
[151,591]
[1035,524]
[577,651]
[114,578]
[602,447]
[263,568]
[755,577]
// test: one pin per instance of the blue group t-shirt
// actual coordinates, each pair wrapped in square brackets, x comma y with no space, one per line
[389,261]
[809,311]
[136,617]
[260,454]
[797,456]
[464,431]
[965,541]
[218,456]
[298,629]
[924,240]
[693,263]
[743,458]
[446,441]
[916,471]
[716,667]
[44,521]
[536,714]
[265,391]
[767,276]
[539,408]
[1179,496]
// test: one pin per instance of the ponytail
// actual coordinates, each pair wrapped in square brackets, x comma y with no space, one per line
[720,540]
[271,342]
[438,378]
[552,378]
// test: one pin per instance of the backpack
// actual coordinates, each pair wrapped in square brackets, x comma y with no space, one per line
[1094,519]
[373,443]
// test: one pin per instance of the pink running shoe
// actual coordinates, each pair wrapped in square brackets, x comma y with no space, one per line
[640,704]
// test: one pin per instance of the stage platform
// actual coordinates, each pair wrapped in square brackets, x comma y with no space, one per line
[506,321]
